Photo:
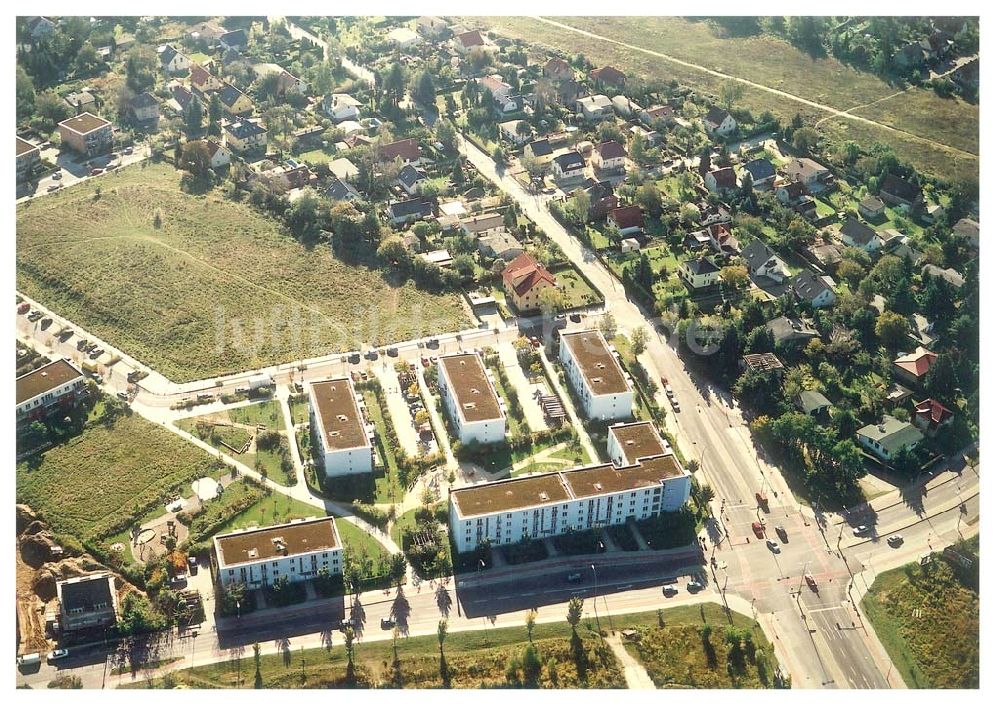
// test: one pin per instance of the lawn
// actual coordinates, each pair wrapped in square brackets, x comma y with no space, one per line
[262,413]
[927,617]
[217,288]
[776,64]
[110,474]
[577,291]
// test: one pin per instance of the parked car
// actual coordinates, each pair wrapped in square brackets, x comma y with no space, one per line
[128,150]
[758,530]
[58,654]
[57,175]
[81,345]
[669,590]
[392,351]
[574,578]
[774,546]
[782,534]
[811,582]
[694,585]
[96,171]
[895,541]
[53,188]
[33,658]
[576,317]
[387,624]
[96,353]
[762,501]
[861,530]
[122,396]
[433,343]
[675,406]
[23,308]
[371,354]
[424,361]
[354,357]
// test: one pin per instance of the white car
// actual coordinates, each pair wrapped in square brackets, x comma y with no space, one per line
[861,530]
[773,546]
[58,654]
[669,590]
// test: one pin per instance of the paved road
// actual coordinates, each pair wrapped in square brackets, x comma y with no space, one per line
[777,92]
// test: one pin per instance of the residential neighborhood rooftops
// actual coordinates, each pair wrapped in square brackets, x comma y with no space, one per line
[610,149]
[482,223]
[513,494]
[917,363]
[701,266]
[540,147]
[569,161]
[470,39]
[637,440]
[901,189]
[608,75]
[411,207]
[812,399]
[337,414]
[804,170]
[474,394]
[857,232]
[760,169]
[243,129]
[932,411]
[84,123]
[808,286]
[407,149]
[629,217]
[255,546]
[725,178]
[716,116]
[892,434]
[84,594]
[599,368]
[45,379]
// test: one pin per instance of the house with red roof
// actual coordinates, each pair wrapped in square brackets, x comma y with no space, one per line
[930,415]
[524,281]
[609,156]
[912,368]
[557,69]
[466,42]
[608,76]
[627,220]
[407,150]
[720,180]
[721,238]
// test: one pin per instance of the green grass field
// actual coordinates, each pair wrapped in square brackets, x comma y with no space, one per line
[217,288]
[263,413]
[928,620]
[777,65]
[110,473]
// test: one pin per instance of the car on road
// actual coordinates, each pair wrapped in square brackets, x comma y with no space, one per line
[58,654]
[694,585]
[665,382]
[576,317]
[371,354]
[57,175]
[387,624]
[574,578]
[782,534]
[354,357]
[811,582]
[128,150]
[668,391]
[65,335]
[669,590]
[392,351]
[96,171]
[861,530]
[675,406]
[774,546]
[433,343]
[895,541]
[758,530]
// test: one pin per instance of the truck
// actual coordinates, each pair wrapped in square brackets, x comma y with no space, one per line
[261,381]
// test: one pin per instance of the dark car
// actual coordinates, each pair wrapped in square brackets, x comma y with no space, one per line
[782,534]
[354,357]
[392,351]
[433,344]
[387,624]
[371,354]
[574,578]
[576,317]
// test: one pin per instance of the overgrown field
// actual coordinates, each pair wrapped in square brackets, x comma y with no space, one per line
[109,475]
[216,288]
[777,65]
[927,617]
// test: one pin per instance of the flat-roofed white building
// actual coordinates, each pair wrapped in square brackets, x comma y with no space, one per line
[470,399]
[340,426]
[549,504]
[46,389]
[596,375]
[297,550]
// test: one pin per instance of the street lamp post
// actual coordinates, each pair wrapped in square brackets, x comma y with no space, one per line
[596,616]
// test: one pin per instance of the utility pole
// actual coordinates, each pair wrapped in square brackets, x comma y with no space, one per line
[596,616]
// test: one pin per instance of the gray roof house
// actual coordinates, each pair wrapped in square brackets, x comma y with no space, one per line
[814,289]
[499,244]
[785,329]
[812,402]
[885,440]
[762,261]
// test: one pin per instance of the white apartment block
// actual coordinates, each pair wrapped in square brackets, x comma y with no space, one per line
[550,504]
[344,436]
[596,376]
[470,399]
[46,388]
[297,550]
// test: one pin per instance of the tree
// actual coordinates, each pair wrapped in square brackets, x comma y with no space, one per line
[196,159]
[499,157]
[702,495]
[732,92]
[393,250]
[648,197]
[574,613]
[87,60]
[349,649]
[608,325]
[140,68]
[258,681]
[892,329]
[192,117]
[734,277]
[423,90]
[529,623]
[25,93]
[214,115]
[638,339]
[805,139]
[551,301]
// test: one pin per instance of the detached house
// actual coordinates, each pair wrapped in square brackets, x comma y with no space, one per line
[718,122]
[145,109]
[900,193]
[410,178]
[796,196]
[219,155]
[235,102]
[602,198]
[810,173]
[721,238]
[557,69]
[87,602]
[202,82]
[466,42]
[912,368]
[524,281]
[595,108]
[814,289]
[87,134]
[872,208]
[568,166]
[762,173]
[608,76]
[763,262]
[930,415]
[539,149]
[699,273]
[627,220]
[889,438]
[172,61]
[244,136]
[410,210]
[341,107]
[236,39]
[859,236]
[609,157]
[653,114]
[408,151]
[721,180]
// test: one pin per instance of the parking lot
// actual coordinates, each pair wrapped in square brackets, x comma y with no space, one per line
[74,169]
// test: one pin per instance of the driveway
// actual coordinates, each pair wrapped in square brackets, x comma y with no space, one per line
[533,415]
[399,412]
[73,169]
